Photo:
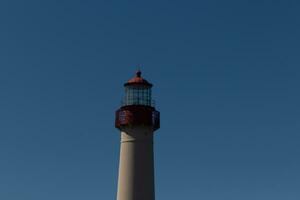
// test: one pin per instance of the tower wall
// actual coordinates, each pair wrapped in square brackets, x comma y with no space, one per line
[136,167]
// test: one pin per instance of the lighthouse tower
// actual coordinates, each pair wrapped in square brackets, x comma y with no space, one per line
[137,120]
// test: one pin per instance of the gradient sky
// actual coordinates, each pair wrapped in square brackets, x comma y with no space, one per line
[226,80]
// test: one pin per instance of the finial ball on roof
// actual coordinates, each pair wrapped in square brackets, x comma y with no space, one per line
[138,73]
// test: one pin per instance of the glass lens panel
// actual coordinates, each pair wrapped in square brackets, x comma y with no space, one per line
[137,96]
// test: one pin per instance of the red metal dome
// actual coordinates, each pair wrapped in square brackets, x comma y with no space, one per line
[138,80]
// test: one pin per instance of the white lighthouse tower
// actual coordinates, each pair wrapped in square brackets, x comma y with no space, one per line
[137,120]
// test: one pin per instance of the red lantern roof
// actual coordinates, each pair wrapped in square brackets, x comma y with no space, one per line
[138,80]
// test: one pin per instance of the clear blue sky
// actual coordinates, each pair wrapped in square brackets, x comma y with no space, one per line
[226,80]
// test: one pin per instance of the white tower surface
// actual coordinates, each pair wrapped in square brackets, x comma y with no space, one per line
[137,120]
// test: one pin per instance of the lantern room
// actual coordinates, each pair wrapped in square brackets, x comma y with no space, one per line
[138,92]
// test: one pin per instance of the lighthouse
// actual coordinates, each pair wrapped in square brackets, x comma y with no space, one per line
[137,119]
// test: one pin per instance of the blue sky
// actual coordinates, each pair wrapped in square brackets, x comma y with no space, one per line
[226,80]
